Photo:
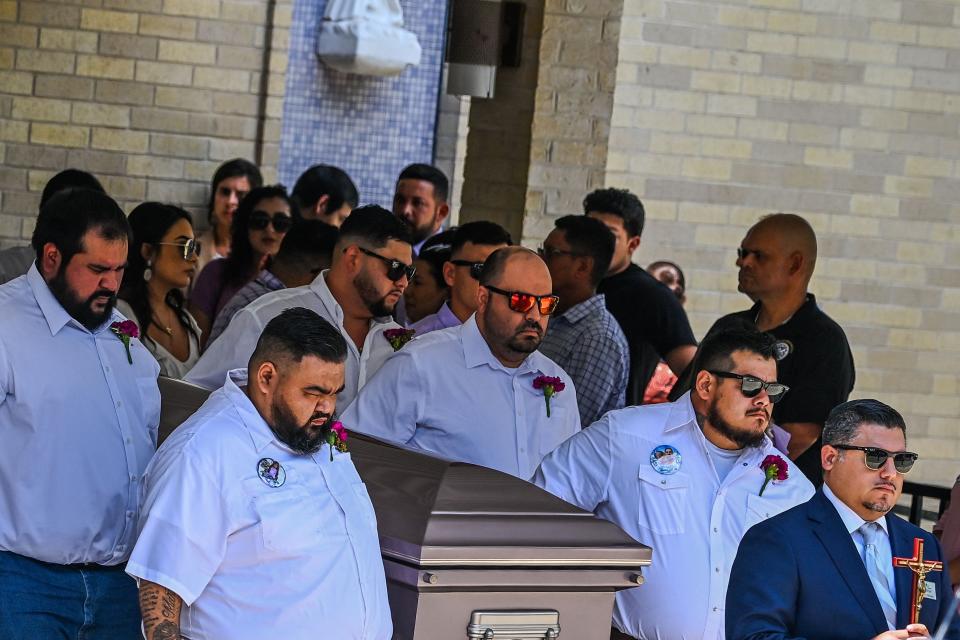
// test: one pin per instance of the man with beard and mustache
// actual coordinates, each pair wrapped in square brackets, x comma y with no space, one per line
[468,392]
[79,410]
[372,265]
[253,526]
[824,569]
[420,201]
[686,478]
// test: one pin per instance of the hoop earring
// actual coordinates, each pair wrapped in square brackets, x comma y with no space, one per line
[148,272]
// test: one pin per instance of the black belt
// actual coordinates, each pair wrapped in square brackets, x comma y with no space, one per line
[93,566]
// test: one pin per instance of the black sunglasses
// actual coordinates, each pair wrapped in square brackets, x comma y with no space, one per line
[547,253]
[189,248]
[874,457]
[523,302]
[281,222]
[750,386]
[476,268]
[395,268]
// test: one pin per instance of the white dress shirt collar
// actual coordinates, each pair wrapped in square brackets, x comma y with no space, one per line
[257,427]
[319,287]
[851,521]
[476,351]
[53,312]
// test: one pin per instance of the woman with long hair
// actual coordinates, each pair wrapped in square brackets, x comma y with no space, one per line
[161,261]
[231,182]
[262,219]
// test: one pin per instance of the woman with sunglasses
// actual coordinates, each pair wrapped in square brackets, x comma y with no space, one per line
[161,261]
[260,223]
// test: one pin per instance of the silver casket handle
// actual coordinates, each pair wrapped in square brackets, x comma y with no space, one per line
[524,624]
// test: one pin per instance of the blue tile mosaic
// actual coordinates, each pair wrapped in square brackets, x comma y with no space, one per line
[370,127]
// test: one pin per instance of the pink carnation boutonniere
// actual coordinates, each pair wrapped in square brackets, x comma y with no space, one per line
[551,386]
[398,337]
[126,331]
[774,468]
[336,437]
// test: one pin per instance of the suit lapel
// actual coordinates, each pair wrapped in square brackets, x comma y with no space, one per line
[839,545]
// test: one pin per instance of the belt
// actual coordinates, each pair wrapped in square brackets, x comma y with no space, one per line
[93,566]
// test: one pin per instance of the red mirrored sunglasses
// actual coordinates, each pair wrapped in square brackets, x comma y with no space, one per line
[523,302]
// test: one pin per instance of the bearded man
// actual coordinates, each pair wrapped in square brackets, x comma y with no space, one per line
[254,526]
[372,266]
[687,478]
[479,392]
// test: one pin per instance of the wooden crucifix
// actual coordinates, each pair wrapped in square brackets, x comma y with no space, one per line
[920,569]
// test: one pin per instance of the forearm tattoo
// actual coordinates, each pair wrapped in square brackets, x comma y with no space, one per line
[160,609]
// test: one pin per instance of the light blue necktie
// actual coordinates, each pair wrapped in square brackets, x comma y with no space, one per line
[876,557]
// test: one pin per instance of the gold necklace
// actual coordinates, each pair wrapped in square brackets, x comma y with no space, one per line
[167,330]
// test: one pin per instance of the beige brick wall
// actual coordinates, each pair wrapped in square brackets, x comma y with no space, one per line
[149,95]
[845,111]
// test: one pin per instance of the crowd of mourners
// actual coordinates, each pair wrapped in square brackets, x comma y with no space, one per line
[764,491]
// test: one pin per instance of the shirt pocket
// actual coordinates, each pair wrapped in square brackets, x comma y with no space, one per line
[288,525]
[663,501]
[760,508]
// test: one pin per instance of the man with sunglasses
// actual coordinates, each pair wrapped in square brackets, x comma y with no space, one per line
[469,393]
[370,270]
[825,568]
[471,244]
[685,478]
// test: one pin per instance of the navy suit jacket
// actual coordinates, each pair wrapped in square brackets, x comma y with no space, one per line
[799,575]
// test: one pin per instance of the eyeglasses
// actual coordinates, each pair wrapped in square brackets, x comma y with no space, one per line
[395,268]
[523,302]
[750,386]
[743,254]
[476,268]
[547,253]
[281,221]
[874,457]
[190,248]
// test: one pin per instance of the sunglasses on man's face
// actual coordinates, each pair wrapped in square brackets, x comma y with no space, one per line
[523,302]
[476,268]
[751,386]
[189,249]
[281,222]
[395,268]
[875,457]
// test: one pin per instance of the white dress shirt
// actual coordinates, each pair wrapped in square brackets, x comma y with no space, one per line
[447,393]
[691,518]
[232,350]
[78,425]
[251,560]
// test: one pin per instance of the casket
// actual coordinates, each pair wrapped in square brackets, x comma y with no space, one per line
[470,552]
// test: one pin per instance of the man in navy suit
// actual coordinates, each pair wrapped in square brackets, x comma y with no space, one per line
[823,570]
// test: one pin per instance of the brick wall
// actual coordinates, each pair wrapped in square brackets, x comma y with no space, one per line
[845,111]
[149,95]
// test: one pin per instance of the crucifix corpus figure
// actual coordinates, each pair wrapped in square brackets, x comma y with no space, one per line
[920,569]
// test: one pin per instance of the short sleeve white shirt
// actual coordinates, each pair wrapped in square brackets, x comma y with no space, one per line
[447,393]
[692,519]
[294,555]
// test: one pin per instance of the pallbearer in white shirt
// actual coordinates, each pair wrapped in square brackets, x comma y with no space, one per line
[685,478]
[254,526]
[476,392]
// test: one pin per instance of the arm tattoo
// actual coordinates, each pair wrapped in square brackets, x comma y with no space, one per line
[160,609]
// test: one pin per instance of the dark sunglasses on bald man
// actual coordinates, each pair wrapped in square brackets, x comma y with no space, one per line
[395,268]
[751,386]
[260,219]
[874,457]
[523,302]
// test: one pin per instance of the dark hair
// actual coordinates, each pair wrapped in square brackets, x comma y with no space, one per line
[69,179]
[845,419]
[324,180]
[479,232]
[69,214]
[150,221]
[238,167]
[306,241]
[716,351]
[299,332]
[591,238]
[428,173]
[619,202]
[681,279]
[497,261]
[373,226]
[241,264]
[435,252]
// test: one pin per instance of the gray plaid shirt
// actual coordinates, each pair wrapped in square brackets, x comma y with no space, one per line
[589,345]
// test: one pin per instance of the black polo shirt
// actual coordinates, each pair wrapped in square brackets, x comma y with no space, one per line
[814,360]
[652,319]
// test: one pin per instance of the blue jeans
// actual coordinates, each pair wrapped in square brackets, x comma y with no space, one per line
[58,602]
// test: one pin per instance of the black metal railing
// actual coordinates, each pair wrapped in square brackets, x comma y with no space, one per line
[917,492]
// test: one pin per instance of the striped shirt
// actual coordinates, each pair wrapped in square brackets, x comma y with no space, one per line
[265,282]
